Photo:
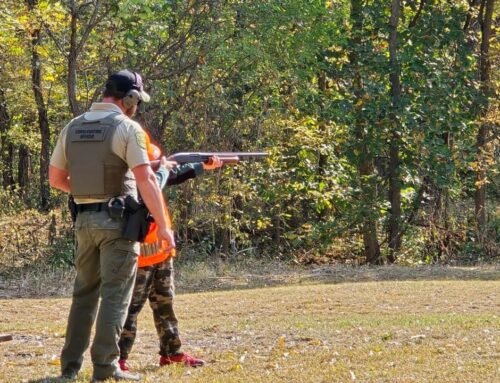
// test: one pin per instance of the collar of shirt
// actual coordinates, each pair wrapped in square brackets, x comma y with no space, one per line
[100,110]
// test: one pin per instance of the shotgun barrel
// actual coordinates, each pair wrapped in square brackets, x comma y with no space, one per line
[226,157]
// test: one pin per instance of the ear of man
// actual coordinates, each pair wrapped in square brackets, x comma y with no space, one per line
[131,99]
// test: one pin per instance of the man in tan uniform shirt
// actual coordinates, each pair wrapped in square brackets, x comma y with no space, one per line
[106,263]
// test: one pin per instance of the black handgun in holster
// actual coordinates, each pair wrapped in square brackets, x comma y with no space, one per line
[137,220]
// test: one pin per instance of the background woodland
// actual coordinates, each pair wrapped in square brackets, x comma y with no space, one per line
[381,118]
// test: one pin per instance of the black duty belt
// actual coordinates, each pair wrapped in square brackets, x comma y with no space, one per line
[97,206]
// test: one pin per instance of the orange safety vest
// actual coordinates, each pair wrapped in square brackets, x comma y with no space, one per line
[152,250]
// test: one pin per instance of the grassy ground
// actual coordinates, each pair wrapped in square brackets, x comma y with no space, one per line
[324,324]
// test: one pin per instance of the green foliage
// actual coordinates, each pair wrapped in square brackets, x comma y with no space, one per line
[62,252]
[299,79]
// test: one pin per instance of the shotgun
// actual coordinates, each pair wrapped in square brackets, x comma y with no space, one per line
[226,157]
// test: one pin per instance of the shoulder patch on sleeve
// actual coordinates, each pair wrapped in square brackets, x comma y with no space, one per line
[140,137]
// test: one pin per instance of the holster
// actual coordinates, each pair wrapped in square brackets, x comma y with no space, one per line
[137,220]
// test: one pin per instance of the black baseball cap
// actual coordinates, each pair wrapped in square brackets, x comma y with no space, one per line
[123,81]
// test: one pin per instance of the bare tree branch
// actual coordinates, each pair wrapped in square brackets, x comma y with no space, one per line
[413,22]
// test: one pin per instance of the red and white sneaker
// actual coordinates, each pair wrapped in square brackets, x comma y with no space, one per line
[181,357]
[123,365]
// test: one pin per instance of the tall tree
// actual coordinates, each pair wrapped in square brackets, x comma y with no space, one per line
[395,140]
[43,121]
[365,158]
[486,17]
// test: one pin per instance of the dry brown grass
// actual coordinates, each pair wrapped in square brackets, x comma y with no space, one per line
[319,325]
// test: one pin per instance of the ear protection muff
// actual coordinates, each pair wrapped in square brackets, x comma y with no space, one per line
[131,99]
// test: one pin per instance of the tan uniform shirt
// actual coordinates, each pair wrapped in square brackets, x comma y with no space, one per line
[128,143]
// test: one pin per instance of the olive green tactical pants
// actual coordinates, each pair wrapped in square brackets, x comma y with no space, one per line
[106,266]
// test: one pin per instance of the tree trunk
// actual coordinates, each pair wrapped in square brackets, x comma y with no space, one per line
[369,229]
[365,161]
[23,171]
[394,229]
[43,122]
[7,148]
[76,46]
[72,62]
[481,140]
[322,157]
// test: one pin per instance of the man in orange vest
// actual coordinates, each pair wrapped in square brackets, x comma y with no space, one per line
[155,275]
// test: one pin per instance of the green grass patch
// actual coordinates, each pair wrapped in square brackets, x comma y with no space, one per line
[389,331]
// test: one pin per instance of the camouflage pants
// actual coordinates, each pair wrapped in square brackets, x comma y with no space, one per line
[155,283]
